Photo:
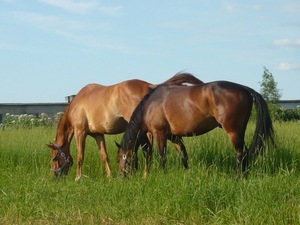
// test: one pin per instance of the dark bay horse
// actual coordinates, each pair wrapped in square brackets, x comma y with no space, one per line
[176,111]
[97,110]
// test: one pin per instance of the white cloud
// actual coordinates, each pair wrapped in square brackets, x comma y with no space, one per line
[84,6]
[257,7]
[5,46]
[287,43]
[292,6]
[288,66]
[35,18]
[230,7]
[110,10]
[8,1]
[73,6]
[177,25]
[76,31]
[49,23]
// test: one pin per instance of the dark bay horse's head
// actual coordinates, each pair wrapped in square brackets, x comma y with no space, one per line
[60,160]
[124,160]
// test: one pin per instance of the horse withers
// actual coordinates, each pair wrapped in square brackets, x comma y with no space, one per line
[171,111]
[97,110]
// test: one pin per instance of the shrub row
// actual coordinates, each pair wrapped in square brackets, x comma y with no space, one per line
[29,120]
[281,114]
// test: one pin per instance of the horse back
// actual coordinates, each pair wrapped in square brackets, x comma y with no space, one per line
[179,110]
[197,109]
[106,109]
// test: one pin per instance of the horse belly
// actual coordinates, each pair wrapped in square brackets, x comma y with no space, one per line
[206,126]
[117,127]
[195,127]
[113,126]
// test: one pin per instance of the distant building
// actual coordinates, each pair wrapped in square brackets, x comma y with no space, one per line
[69,98]
[31,108]
[52,108]
[34,108]
[289,104]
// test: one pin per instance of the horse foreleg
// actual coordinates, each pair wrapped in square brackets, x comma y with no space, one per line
[147,151]
[135,157]
[103,153]
[147,148]
[162,146]
[80,142]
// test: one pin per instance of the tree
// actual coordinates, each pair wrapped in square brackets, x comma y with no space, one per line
[269,89]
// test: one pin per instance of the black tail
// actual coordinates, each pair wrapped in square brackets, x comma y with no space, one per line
[264,132]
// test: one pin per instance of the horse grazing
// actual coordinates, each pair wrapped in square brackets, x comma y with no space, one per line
[170,111]
[97,110]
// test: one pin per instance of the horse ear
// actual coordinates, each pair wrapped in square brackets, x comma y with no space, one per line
[49,145]
[118,145]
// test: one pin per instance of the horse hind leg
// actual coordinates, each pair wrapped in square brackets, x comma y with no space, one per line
[241,152]
[161,141]
[242,161]
[179,146]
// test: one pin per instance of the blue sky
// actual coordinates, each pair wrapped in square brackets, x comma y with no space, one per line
[52,48]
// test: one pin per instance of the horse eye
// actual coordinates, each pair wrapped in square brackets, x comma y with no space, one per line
[55,158]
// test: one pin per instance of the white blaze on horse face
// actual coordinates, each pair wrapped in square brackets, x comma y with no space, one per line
[124,157]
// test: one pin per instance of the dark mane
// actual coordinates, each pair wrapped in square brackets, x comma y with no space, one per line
[183,78]
[135,128]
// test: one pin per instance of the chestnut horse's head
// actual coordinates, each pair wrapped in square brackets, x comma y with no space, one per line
[124,158]
[60,161]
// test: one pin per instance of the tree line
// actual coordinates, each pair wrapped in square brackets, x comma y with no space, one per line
[272,95]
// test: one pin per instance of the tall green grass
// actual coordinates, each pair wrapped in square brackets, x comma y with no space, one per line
[209,192]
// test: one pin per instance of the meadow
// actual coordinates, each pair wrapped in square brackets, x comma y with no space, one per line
[209,192]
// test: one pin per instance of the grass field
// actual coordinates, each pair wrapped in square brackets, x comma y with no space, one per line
[207,193]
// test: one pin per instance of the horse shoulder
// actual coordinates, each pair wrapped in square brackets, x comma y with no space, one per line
[129,94]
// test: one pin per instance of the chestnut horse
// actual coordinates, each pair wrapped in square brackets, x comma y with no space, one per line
[97,110]
[176,111]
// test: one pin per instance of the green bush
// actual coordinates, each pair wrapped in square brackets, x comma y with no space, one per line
[29,120]
[281,114]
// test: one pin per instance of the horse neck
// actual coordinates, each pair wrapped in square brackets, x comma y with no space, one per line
[64,132]
[135,127]
[132,132]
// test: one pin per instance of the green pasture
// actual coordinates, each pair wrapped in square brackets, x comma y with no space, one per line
[209,192]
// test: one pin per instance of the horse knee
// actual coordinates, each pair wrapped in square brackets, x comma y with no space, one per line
[104,156]
[79,162]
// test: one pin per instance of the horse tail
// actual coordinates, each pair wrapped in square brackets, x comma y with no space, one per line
[264,132]
[183,79]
